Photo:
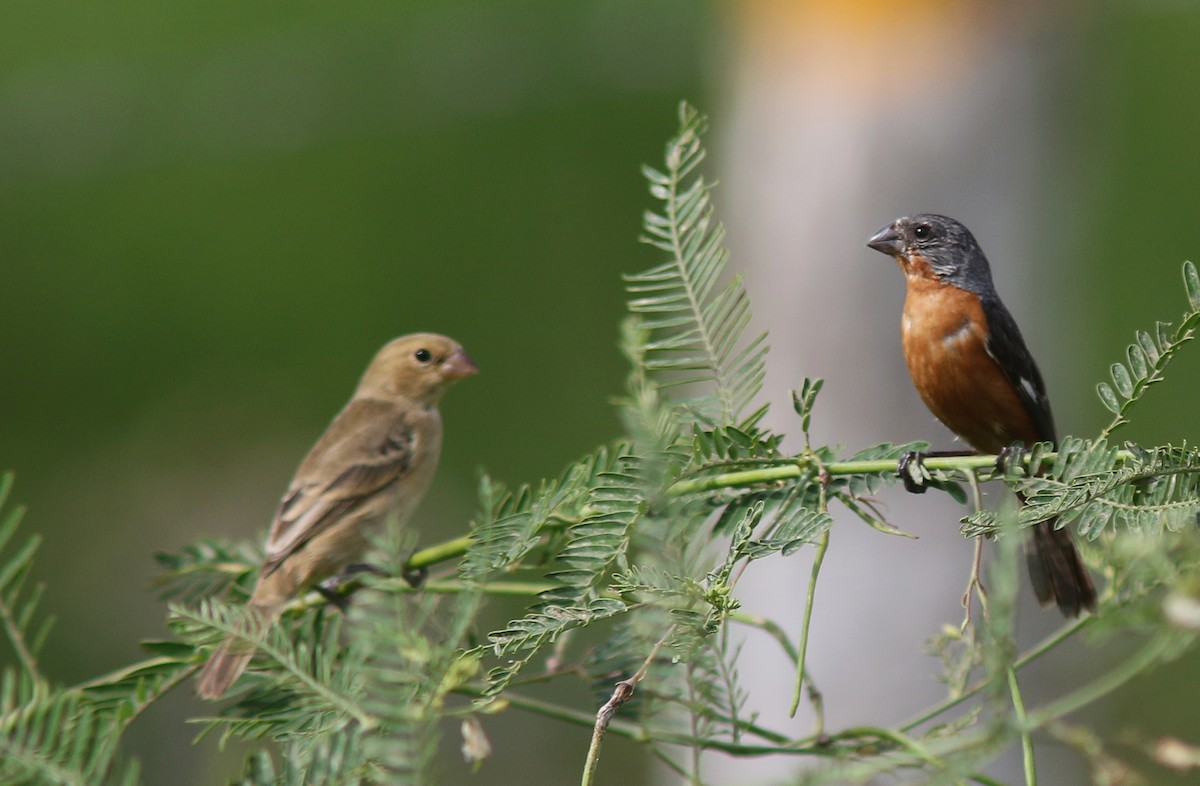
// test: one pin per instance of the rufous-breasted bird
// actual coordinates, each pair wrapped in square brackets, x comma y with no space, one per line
[972,369]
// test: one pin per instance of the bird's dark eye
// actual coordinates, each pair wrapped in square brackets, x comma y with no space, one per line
[922,232]
[423,355]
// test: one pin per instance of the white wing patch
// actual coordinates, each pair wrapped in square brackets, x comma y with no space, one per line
[950,339]
[1030,390]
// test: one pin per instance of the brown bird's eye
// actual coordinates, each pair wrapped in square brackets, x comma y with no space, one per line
[923,232]
[423,355]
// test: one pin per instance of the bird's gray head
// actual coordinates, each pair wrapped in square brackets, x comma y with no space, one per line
[932,246]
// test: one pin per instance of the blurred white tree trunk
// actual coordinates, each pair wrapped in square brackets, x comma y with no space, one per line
[839,117]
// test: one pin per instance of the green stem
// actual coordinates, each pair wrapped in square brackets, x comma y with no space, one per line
[452,549]
[453,587]
[604,716]
[639,734]
[1027,759]
[440,552]
[1047,644]
[745,477]
[1154,651]
[668,762]
[984,780]
[444,587]
[822,547]
[901,741]
[752,477]
[693,723]
[769,627]
[772,629]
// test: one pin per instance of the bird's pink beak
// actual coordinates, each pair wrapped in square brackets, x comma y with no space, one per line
[459,365]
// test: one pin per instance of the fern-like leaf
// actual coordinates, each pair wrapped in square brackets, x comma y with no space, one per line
[1095,487]
[417,658]
[57,738]
[694,328]
[1148,356]
[516,522]
[331,760]
[602,535]
[18,608]
[303,680]
[206,569]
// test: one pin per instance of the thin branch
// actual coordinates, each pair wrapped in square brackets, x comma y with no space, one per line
[440,552]
[454,587]
[637,733]
[810,595]
[975,582]
[668,762]
[901,741]
[1047,644]
[800,467]
[621,694]
[1157,649]
[693,722]
[316,599]
[1026,733]
[793,469]
[769,627]
[743,726]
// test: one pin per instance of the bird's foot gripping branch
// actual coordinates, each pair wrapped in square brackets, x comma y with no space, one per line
[626,571]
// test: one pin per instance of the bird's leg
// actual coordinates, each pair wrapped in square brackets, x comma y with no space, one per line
[911,467]
[328,589]
[909,474]
[359,568]
[333,589]
[415,576]
[1009,458]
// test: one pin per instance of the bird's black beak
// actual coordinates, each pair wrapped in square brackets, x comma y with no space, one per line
[887,240]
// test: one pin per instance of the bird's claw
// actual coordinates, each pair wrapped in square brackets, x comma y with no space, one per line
[911,471]
[415,576]
[333,588]
[329,590]
[359,568]
[1010,459]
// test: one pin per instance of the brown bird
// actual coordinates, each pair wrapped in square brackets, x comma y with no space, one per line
[376,459]
[972,369]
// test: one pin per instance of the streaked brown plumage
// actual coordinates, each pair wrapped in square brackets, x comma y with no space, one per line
[376,459]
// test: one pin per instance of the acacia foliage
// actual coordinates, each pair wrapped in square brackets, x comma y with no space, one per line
[628,564]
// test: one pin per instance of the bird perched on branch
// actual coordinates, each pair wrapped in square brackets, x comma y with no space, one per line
[376,459]
[970,365]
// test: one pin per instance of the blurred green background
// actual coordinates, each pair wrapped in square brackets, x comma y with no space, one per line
[211,215]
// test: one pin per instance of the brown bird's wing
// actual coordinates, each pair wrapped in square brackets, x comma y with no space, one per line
[365,449]
[1007,347]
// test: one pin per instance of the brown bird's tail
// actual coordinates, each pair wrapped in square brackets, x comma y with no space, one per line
[230,659]
[1057,571]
